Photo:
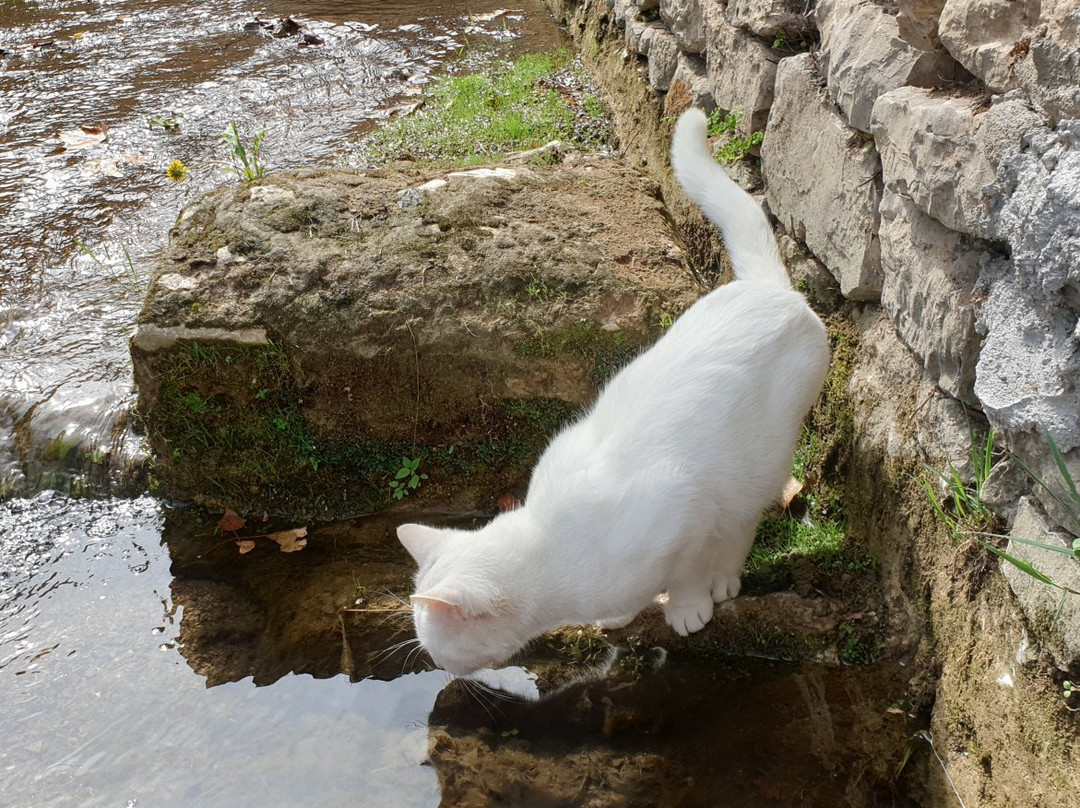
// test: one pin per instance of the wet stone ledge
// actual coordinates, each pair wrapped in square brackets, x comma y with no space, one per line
[305,333]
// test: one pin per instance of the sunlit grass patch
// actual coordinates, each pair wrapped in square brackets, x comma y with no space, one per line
[502,108]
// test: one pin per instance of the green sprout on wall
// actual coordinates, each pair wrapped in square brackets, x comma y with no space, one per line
[407,479]
[962,508]
[735,147]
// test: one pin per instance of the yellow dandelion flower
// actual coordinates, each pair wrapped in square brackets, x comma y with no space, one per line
[177,171]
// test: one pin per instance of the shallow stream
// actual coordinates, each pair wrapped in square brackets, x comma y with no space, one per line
[143,659]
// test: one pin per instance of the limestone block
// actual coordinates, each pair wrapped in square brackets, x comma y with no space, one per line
[692,73]
[900,413]
[863,56]
[639,34]
[663,51]
[768,17]
[985,36]
[930,273]
[493,306]
[686,22]
[1028,376]
[1042,603]
[742,70]
[943,152]
[1040,214]
[1050,71]
[821,180]
[928,152]
[917,22]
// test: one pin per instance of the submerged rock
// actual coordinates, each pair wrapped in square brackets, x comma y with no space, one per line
[305,334]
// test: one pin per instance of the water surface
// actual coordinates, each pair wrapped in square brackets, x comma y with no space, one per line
[100,707]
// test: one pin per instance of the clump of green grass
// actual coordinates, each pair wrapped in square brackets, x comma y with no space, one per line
[961,506]
[782,539]
[244,159]
[962,509]
[475,117]
[123,271]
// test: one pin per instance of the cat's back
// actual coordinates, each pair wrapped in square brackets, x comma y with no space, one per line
[720,395]
[733,341]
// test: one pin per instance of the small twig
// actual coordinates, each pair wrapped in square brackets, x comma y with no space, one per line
[380,611]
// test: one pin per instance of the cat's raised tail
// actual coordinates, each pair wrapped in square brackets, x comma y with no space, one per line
[747,235]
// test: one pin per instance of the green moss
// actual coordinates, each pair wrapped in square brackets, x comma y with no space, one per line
[816,536]
[857,645]
[227,429]
[608,350]
[59,448]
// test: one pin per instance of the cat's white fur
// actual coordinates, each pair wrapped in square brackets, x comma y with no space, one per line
[660,487]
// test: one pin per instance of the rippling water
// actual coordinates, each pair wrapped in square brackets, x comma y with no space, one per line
[65,315]
[100,708]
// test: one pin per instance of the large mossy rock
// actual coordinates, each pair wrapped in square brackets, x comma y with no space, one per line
[305,333]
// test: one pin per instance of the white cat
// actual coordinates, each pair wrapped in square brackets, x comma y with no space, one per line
[660,487]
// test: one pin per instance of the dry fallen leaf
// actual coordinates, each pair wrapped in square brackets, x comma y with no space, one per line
[111,166]
[508,502]
[290,540]
[231,521]
[84,137]
[791,490]
[245,545]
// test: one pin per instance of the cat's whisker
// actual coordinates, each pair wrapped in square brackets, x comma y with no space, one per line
[385,654]
[495,692]
[394,614]
[397,597]
[414,652]
[470,686]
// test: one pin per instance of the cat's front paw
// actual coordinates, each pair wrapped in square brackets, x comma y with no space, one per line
[686,618]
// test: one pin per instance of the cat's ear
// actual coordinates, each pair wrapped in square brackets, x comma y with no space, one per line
[421,541]
[439,606]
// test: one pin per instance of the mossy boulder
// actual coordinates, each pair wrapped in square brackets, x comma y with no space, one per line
[305,333]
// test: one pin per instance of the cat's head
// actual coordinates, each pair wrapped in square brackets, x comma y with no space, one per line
[467,607]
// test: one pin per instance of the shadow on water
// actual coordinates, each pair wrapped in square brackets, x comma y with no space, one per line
[599,726]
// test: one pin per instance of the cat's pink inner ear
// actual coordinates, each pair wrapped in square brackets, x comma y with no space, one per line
[439,607]
[421,541]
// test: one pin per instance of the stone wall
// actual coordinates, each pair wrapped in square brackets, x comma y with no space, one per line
[927,153]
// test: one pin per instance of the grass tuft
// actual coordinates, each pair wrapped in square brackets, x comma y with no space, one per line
[507,107]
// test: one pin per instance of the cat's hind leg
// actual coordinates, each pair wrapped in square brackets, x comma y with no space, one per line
[730,546]
[611,623]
